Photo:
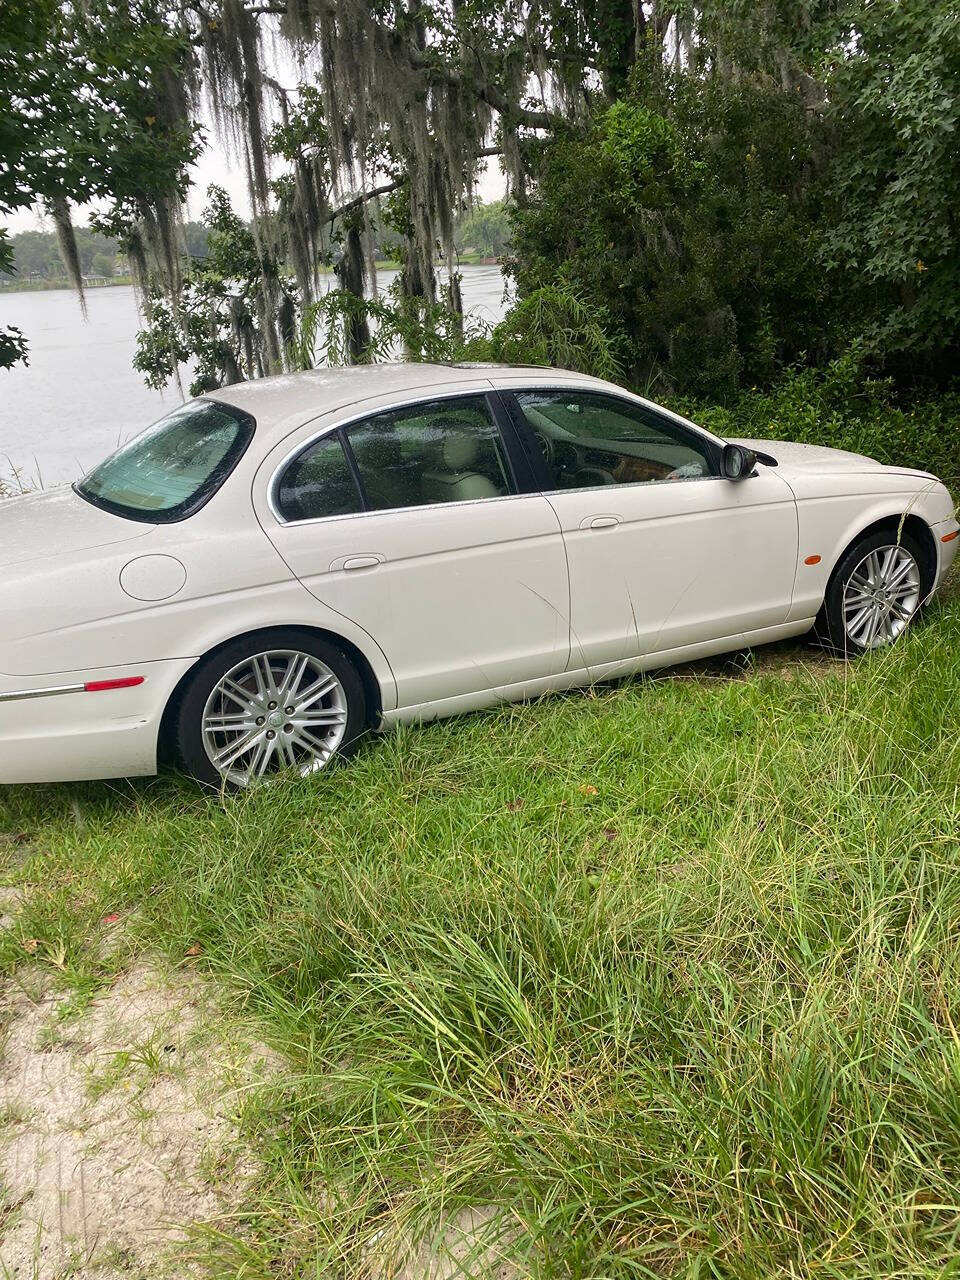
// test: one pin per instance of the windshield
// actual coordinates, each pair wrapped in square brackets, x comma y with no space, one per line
[172,468]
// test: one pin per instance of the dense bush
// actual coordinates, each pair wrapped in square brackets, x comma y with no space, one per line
[892,238]
[732,225]
[690,226]
[839,408]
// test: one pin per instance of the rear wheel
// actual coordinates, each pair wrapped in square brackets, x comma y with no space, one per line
[874,594]
[277,701]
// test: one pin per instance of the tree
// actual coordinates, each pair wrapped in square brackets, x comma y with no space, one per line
[233,313]
[687,218]
[13,347]
[406,99]
[37,255]
[486,228]
[101,264]
[781,189]
[895,180]
[709,177]
[94,105]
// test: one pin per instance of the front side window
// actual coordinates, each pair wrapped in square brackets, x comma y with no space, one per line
[174,467]
[591,439]
[438,451]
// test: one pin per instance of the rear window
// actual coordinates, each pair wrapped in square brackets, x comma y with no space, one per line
[174,467]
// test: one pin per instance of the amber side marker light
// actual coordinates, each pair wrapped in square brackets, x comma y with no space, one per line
[101,686]
[812,560]
[949,537]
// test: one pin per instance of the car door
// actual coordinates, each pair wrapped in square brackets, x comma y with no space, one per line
[422,524]
[663,552]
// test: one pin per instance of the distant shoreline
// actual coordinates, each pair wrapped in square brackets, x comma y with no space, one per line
[43,286]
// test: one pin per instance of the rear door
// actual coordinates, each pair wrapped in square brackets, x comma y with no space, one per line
[422,524]
[663,552]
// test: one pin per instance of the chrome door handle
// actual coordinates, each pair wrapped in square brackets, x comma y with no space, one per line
[361,562]
[599,522]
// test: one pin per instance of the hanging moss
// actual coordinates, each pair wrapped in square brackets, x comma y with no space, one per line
[67,240]
[385,98]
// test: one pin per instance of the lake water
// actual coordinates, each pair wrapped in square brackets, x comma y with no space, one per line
[80,396]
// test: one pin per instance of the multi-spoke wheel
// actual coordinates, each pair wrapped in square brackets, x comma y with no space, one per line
[881,596]
[875,592]
[281,701]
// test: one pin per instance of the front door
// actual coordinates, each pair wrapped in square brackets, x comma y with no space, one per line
[419,525]
[663,552]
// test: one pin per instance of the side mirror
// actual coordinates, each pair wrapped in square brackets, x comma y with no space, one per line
[736,462]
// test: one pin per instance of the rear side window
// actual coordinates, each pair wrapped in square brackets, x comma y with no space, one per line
[318,483]
[440,451]
[174,467]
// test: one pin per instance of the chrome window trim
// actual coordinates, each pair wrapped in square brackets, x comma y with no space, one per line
[424,506]
[19,695]
[630,484]
[343,424]
[548,385]
[618,393]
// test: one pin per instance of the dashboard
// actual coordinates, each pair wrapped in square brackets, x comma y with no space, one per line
[577,466]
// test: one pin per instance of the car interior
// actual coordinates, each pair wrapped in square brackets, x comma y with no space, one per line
[448,452]
[451,451]
[589,440]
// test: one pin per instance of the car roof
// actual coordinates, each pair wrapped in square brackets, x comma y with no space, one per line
[290,399]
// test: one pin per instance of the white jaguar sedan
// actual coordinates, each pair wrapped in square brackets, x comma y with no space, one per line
[277,567]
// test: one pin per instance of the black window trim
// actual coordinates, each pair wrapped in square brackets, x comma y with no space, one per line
[522,475]
[209,489]
[361,488]
[538,465]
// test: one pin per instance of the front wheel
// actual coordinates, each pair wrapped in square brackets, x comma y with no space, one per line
[874,594]
[279,700]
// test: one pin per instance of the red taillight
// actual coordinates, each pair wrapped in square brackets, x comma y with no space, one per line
[101,686]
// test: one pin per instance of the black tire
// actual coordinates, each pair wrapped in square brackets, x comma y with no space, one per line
[831,628]
[189,722]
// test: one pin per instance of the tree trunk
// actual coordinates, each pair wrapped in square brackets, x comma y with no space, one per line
[618,27]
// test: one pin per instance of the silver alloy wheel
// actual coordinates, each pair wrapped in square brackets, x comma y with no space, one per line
[881,596]
[277,710]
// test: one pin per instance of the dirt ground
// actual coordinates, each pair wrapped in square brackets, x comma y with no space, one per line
[117,1127]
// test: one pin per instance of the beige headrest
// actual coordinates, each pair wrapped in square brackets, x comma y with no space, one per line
[459,451]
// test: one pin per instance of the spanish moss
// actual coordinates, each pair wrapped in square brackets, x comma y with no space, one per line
[67,241]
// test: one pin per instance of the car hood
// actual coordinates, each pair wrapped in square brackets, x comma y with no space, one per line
[812,457]
[56,522]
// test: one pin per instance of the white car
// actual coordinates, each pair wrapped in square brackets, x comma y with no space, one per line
[274,568]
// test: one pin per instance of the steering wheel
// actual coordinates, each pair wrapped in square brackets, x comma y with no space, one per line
[547,445]
[591,478]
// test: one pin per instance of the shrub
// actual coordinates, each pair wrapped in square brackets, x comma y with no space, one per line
[838,408]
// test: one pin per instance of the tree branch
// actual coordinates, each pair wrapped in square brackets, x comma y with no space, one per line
[356,201]
[420,60]
[363,197]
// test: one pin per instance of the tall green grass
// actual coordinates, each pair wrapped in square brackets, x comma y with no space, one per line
[663,981]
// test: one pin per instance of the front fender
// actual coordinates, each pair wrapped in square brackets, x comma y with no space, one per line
[831,518]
